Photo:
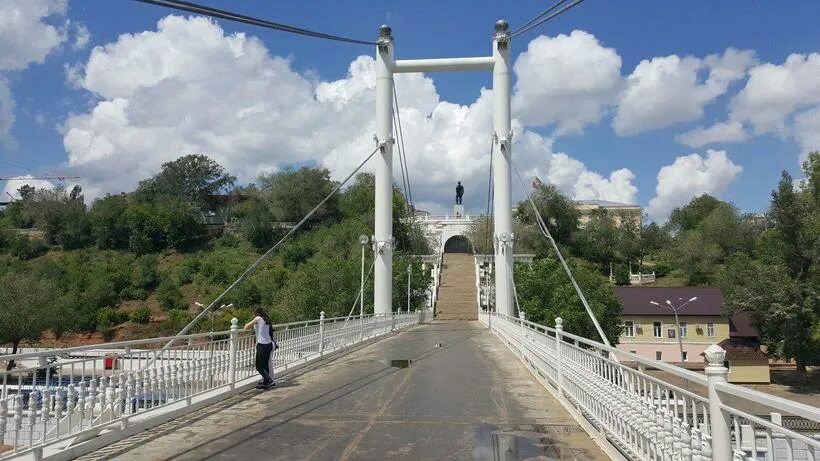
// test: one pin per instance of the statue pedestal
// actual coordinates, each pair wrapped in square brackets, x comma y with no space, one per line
[458,211]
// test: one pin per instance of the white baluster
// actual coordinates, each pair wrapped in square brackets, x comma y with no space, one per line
[4,408]
[697,445]
[32,415]
[18,416]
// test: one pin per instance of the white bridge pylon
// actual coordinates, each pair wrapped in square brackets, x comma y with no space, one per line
[503,237]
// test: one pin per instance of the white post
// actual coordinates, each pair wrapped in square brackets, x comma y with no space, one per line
[719,429]
[502,154]
[522,317]
[232,351]
[383,244]
[559,330]
[321,333]
[363,241]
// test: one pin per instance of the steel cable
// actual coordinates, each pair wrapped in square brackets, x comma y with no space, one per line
[545,231]
[252,268]
[542,21]
[222,14]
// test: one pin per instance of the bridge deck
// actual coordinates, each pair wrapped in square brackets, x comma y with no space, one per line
[468,399]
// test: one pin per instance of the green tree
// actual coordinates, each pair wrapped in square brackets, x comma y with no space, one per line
[724,227]
[559,212]
[598,240]
[785,312]
[26,303]
[545,292]
[169,295]
[291,194]
[696,258]
[110,222]
[781,289]
[190,178]
[690,215]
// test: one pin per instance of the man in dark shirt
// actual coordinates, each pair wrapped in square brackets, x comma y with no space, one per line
[459,193]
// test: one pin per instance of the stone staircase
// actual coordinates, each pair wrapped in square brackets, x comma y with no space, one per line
[457,295]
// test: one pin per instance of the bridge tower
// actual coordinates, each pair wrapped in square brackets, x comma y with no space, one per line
[503,236]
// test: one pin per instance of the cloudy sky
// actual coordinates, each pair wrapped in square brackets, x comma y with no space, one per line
[632,101]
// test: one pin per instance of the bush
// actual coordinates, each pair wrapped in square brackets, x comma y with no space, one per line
[141,315]
[27,248]
[169,295]
[177,319]
[662,268]
[621,275]
[133,293]
[144,274]
[188,270]
[108,318]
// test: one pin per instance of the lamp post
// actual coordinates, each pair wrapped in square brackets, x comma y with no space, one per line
[409,271]
[363,241]
[677,322]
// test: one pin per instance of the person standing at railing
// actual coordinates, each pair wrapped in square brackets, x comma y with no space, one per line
[265,345]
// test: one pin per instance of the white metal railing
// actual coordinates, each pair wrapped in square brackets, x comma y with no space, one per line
[58,397]
[650,410]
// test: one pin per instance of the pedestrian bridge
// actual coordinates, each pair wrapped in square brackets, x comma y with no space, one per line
[401,386]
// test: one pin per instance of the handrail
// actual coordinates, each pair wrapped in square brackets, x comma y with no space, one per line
[647,417]
[48,405]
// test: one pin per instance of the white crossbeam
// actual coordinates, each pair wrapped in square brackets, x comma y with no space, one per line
[443,64]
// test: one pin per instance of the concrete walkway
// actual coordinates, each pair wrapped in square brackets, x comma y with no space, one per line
[468,398]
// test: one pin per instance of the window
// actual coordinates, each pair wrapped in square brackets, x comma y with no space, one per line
[710,329]
[685,356]
[656,329]
[629,328]
[683,329]
[658,355]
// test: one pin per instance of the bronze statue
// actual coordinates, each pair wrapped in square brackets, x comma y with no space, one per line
[459,193]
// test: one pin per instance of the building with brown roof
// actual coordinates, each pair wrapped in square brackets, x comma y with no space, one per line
[649,329]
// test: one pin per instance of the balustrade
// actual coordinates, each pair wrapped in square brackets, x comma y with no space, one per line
[650,416]
[47,405]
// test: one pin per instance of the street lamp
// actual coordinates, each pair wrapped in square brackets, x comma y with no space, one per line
[677,322]
[409,271]
[363,241]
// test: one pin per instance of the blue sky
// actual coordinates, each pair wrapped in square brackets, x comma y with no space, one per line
[636,30]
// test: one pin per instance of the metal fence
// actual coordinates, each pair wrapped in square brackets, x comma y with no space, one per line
[647,417]
[56,398]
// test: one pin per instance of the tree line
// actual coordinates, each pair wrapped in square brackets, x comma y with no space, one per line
[140,259]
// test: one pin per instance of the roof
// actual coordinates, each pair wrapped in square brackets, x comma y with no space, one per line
[740,325]
[636,301]
[605,203]
[742,349]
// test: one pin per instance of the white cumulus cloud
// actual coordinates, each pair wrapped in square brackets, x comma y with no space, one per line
[774,92]
[730,131]
[807,131]
[81,37]
[25,38]
[690,176]
[187,87]
[567,80]
[667,90]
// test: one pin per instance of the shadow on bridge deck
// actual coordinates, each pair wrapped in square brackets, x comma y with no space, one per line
[468,398]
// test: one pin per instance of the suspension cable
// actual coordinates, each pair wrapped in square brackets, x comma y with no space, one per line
[487,218]
[542,21]
[222,14]
[403,151]
[543,13]
[399,149]
[252,268]
[545,231]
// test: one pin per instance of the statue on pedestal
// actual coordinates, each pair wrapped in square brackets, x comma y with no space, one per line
[459,193]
